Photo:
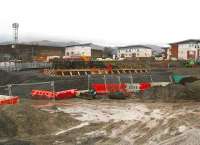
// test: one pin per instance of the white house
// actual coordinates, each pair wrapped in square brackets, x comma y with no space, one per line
[84,50]
[137,51]
[185,50]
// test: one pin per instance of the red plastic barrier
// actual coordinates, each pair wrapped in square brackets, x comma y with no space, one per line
[66,94]
[99,88]
[39,94]
[9,100]
[144,86]
[106,88]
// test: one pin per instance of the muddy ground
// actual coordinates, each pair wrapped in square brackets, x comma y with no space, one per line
[100,122]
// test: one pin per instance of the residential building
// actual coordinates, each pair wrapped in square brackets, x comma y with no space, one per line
[184,50]
[84,50]
[132,51]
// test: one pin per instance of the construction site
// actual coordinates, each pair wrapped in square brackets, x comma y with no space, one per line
[85,94]
[95,103]
[99,72]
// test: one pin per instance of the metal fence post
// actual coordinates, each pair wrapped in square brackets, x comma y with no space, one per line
[171,78]
[52,83]
[10,90]
[88,77]
[105,83]
[120,84]
[131,78]
[151,78]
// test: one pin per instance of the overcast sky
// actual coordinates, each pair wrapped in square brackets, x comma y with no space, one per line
[107,22]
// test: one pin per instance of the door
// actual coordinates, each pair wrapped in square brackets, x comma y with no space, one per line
[191,54]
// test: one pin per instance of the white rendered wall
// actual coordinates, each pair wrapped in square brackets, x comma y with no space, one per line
[139,52]
[184,48]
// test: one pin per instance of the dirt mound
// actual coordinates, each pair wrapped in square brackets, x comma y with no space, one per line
[16,142]
[193,90]
[186,80]
[168,93]
[7,125]
[24,121]
[174,92]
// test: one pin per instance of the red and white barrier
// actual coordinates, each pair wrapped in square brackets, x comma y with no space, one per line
[99,88]
[127,87]
[8,100]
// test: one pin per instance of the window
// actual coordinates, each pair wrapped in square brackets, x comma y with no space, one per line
[67,53]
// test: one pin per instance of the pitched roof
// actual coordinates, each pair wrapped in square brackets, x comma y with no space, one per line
[43,43]
[93,46]
[130,46]
[85,44]
[187,41]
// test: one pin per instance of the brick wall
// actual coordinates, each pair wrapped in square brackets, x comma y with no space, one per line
[174,50]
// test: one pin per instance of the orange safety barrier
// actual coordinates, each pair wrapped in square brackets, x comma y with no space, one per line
[40,94]
[66,94]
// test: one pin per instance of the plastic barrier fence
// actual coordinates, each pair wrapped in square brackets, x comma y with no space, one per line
[66,94]
[8,100]
[106,88]
[39,94]
[144,86]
